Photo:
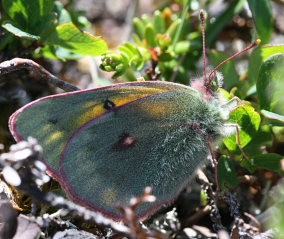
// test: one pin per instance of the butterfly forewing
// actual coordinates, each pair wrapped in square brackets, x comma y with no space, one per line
[53,119]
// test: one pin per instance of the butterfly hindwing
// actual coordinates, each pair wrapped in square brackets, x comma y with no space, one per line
[143,143]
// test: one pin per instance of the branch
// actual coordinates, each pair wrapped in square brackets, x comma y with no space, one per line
[20,63]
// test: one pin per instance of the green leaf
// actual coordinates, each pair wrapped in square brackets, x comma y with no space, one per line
[215,28]
[273,119]
[231,77]
[33,16]
[137,40]
[251,91]
[139,27]
[177,34]
[54,52]
[248,120]
[37,9]
[173,28]
[270,81]
[182,47]
[224,94]
[63,15]
[133,49]
[47,52]
[262,16]
[39,14]
[263,138]
[270,161]
[16,11]
[150,35]
[127,50]
[165,57]
[159,22]
[117,74]
[70,37]
[258,56]
[45,24]
[18,32]
[226,173]
[146,20]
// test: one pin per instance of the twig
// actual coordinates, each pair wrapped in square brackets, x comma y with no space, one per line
[20,63]
[215,163]
[201,213]
[243,230]
[131,219]
[151,71]
[254,220]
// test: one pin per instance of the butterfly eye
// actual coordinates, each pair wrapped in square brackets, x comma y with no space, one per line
[216,80]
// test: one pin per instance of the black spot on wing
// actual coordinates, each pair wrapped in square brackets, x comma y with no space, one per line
[124,142]
[108,104]
[52,121]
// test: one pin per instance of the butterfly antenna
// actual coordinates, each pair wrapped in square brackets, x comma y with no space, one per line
[202,19]
[257,42]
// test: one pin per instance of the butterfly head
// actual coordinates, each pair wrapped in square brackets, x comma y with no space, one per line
[208,85]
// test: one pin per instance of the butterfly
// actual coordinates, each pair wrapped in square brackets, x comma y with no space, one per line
[105,145]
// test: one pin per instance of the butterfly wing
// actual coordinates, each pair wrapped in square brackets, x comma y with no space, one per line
[53,119]
[106,145]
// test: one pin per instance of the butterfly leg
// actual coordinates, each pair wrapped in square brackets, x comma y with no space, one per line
[231,128]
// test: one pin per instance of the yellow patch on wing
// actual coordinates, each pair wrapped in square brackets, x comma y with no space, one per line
[94,111]
[46,128]
[109,196]
[54,137]
[124,96]
[157,109]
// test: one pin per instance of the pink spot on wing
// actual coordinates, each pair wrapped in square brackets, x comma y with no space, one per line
[125,141]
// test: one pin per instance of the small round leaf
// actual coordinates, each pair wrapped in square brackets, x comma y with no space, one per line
[248,120]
